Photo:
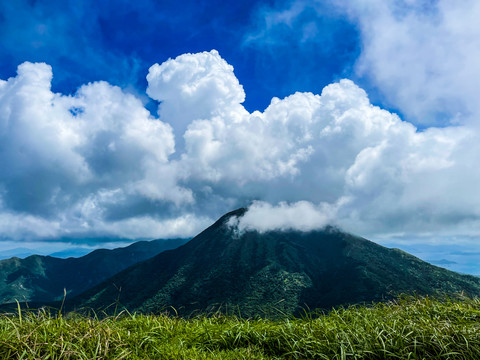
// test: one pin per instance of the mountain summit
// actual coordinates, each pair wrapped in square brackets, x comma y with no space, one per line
[255,273]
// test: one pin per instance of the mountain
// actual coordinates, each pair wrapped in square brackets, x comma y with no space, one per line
[70,252]
[43,278]
[270,274]
[17,252]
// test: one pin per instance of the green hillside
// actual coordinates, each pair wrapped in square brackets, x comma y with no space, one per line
[43,278]
[271,274]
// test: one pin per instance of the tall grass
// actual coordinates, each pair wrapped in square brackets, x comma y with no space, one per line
[409,328]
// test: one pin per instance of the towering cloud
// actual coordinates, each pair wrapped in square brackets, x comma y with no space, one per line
[193,87]
[97,162]
[72,160]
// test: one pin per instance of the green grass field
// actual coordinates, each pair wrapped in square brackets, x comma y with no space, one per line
[409,328]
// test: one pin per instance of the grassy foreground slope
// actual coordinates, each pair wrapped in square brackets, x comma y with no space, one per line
[404,329]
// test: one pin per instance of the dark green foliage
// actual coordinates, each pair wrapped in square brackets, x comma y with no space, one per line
[409,328]
[272,274]
[43,278]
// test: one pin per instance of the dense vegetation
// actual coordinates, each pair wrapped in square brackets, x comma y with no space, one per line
[44,278]
[408,328]
[253,272]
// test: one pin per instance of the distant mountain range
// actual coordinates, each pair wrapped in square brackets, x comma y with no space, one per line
[271,274]
[42,279]
[17,252]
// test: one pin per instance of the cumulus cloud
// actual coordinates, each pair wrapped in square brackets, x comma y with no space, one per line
[193,87]
[97,163]
[417,182]
[338,146]
[419,57]
[80,155]
[298,142]
[422,55]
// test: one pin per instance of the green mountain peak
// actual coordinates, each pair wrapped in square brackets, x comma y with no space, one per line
[271,273]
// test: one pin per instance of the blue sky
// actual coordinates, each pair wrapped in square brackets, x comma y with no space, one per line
[90,40]
[131,120]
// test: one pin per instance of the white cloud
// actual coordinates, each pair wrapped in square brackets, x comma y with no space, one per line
[97,163]
[243,147]
[422,55]
[302,216]
[60,153]
[302,141]
[148,227]
[194,86]
[24,227]
[337,146]
[420,182]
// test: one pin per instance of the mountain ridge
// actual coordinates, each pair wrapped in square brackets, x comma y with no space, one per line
[263,274]
[42,278]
